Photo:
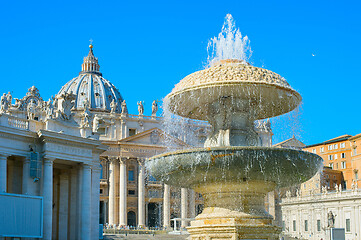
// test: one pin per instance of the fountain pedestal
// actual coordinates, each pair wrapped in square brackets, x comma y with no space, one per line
[234,210]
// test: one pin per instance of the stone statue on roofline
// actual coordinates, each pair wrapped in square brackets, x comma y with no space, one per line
[31,109]
[154,108]
[96,121]
[9,99]
[49,109]
[3,103]
[140,108]
[85,121]
[113,106]
[124,107]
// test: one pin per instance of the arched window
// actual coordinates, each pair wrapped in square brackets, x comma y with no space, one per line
[131,174]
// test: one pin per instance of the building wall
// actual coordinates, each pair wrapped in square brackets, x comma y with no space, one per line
[345,205]
[339,155]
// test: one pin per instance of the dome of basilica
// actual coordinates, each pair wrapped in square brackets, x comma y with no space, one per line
[91,86]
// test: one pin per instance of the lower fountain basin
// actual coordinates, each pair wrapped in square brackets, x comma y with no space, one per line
[193,167]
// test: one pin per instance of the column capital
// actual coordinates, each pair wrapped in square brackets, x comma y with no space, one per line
[26,160]
[87,166]
[96,168]
[141,161]
[123,160]
[113,159]
[48,160]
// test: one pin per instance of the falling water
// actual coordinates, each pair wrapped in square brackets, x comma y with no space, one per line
[230,44]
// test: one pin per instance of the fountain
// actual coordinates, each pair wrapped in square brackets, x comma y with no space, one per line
[233,171]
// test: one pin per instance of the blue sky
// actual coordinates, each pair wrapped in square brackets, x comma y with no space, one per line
[146,47]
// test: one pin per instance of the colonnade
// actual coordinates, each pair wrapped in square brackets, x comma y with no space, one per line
[119,215]
[82,193]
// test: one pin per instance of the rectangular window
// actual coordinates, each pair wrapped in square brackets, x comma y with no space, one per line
[343,164]
[313,150]
[318,225]
[306,225]
[283,226]
[330,157]
[132,131]
[131,175]
[101,191]
[335,156]
[331,165]
[342,145]
[335,146]
[294,225]
[348,225]
[343,155]
[131,192]
[322,149]
[336,167]
[329,147]
[356,175]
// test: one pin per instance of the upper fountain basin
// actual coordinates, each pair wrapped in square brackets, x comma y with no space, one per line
[191,167]
[268,93]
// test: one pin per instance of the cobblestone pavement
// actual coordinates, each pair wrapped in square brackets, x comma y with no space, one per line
[145,237]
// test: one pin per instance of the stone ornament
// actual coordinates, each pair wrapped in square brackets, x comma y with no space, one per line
[330,220]
[65,104]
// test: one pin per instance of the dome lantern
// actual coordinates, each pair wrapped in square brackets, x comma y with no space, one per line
[90,63]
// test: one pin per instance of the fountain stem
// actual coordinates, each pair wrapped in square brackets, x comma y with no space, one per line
[232,123]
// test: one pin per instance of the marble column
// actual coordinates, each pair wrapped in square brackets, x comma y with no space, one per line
[105,211]
[63,206]
[73,222]
[166,206]
[26,175]
[192,204]
[111,214]
[184,206]
[95,194]
[141,194]
[48,198]
[86,203]
[123,192]
[3,171]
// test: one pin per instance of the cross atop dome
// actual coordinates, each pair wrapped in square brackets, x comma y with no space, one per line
[90,64]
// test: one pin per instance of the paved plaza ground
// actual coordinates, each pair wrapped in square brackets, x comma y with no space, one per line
[145,236]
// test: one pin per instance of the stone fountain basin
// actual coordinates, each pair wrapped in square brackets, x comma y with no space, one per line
[192,167]
[266,100]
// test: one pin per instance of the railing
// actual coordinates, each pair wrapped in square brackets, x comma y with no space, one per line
[18,123]
[323,196]
[144,117]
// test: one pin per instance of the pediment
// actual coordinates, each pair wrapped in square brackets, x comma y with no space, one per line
[291,143]
[154,137]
